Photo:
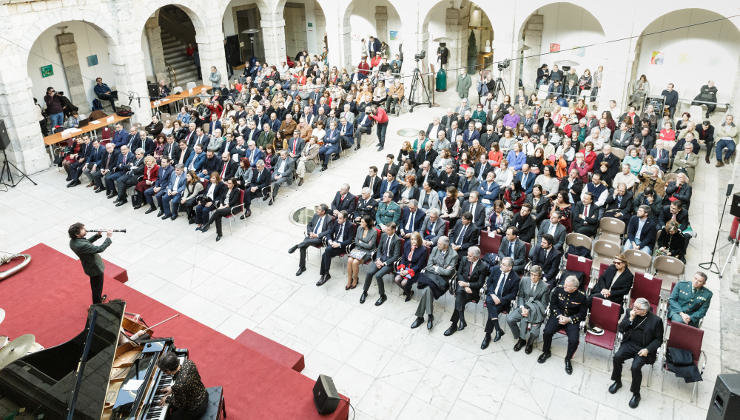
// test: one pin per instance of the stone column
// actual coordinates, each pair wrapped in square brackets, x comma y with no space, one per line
[273,31]
[156,52]
[381,23]
[68,52]
[27,149]
[128,64]
[211,50]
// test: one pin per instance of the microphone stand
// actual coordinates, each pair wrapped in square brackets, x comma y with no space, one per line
[708,265]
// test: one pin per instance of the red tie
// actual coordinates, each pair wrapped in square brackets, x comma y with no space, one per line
[223,171]
[294,144]
[471,270]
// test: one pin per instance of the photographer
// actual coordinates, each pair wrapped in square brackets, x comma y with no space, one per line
[54,108]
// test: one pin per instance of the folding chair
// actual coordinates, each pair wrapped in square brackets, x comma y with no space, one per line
[239,208]
[489,242]
[604,314]
[648,287]
[668,268]
[611,229]
[605,252]
[578,239]
[688,338]
[638,261]
[580,264]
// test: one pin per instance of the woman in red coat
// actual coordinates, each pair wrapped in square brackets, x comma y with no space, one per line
[514,197]
[589,156]
[151,172]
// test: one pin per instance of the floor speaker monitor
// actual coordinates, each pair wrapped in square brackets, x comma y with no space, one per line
[325,395]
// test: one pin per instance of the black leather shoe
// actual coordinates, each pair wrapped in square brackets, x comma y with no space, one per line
[323,168]
[336,157]
[218,238]
[462,324]
[615,387]
[499,334]
[71,184]
[271,202]
[430,322]
[300,181]
[205,227]
[324,278]
[120,203]
[418,321]
[380,300]
[363,296]
[568,367]
[165,217]
[174,216]
[292,249]
[486,341]
[300,271]
[635,400]
[409,295]
[160,214]
[519,344]
[543,357]
[137,207]
[150,210]
[449,331]
[528,348]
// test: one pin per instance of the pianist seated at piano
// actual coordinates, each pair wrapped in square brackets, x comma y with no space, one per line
[187,397]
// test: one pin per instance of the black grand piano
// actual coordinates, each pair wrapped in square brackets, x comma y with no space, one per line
[120,378]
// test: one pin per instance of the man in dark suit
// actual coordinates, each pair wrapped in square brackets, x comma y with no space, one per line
[585,216]
[432,228]
[619,203]
[171,148]
[92,265]
[183,154]
[227,166]
[343,201]
[473,206]
[675,212]
[390,184]
[573,185]
[641,231]
[643,334]
[389,251]
[526,178]
[318,228]
[427,154]
[448,178]
[163,180]
[554,228]
[471,273]
[607,156]
[199,139]
[525,223]
[373,181]
[346,133]
[514,248]
[363,125]
[257,187]
[90,151]
[464,235]
[108,169]
[211,164]
[547,257]
[337,240]
[97,151]
[482,168]
[503,284]
[130,178]
[228,145]
[412,218]
[331,146]
[426,174]
[295,145]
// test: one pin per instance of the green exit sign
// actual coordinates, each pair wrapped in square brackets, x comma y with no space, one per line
[47,71]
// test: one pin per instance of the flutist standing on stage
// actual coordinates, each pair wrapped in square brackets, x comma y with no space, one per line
[92,264]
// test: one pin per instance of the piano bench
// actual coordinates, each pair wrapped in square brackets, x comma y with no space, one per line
[216,404]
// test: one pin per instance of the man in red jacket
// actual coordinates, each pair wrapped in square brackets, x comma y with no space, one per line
[381,118]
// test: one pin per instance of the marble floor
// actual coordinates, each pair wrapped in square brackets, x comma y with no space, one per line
[247,280]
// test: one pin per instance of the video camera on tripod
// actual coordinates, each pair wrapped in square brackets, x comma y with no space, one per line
[503,65]
[420,56]
[417,83]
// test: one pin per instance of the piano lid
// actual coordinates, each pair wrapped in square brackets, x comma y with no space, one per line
[43,382]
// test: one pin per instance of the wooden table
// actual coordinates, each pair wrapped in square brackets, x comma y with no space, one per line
[92,126]
[198,90]
[55,138]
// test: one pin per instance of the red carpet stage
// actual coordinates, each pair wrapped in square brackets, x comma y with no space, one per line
[50,297]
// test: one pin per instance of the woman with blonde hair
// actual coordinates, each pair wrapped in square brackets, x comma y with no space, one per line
[363,247]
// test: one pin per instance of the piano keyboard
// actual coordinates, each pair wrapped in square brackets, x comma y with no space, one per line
[156,411]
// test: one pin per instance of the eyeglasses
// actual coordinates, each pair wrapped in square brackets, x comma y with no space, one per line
[618,262]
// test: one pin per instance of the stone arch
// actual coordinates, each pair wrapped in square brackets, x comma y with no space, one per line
[344,21]
[191,7]
[718,43]
[603,21]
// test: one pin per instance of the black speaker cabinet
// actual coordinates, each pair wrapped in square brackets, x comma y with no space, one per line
[725,403]
[325,395]
[735,207]
[4,139]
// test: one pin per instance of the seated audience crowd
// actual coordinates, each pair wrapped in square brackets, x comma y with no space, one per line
[494,214]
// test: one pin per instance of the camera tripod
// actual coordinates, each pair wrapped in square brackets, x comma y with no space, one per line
[498,86]
[5,171]
[417,80]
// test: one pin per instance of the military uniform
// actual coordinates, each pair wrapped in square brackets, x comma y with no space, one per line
[388,212]
[572,305]
[92,264]
[693,303]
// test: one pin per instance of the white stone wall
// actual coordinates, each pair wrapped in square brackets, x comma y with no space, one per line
[120,23]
